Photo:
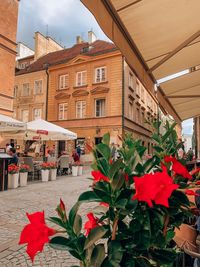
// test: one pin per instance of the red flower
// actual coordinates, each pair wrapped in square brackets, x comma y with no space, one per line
[110,161]
[126,177]
[62,205]
[35,234]
[104,204]
[91,223]
[177,167]
[98,176]
[61,211]
[156,187]
[191,193]
[197,183]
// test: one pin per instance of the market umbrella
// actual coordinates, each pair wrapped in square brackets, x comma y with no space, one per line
[8,124]
[42,130]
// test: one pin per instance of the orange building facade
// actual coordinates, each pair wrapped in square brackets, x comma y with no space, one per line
[8,29]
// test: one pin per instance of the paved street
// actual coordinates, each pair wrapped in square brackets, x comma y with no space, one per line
[36,197]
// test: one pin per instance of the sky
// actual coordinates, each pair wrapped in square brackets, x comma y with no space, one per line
[65,19]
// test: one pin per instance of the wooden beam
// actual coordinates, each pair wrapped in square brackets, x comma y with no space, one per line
[127,6]
[175,51]
[182,96]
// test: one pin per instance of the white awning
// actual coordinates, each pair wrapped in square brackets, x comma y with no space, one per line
[158,38]
[8,124]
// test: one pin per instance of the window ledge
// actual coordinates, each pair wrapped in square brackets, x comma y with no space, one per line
[80,86]
[62,89]
[95,83]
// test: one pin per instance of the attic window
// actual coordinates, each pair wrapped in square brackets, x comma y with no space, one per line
[86,49]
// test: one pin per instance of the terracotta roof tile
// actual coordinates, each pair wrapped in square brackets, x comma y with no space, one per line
[58,57]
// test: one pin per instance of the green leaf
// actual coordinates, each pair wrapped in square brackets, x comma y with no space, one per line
[89,196]
[94,235]
[57,221]
[98,255]
[77,224]
[143,262]
[115,167]
[158,149]
[60,243]
[72,214]
[102,190]
[156,138]
[115,251]
[109,263]
[117,182]
[163,256]
[104,150]
[121,204]
[106,139]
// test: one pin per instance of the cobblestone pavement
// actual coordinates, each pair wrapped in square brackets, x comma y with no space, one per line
[36,197]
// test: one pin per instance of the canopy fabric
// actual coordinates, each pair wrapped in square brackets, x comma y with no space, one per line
[9,124]
[41,130]
[158,40]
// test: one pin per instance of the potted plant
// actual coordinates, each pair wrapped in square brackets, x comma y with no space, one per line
[75,169]
[13,176]
[45,171]
[23,174]
[142,205]
[53,171]
[80,168]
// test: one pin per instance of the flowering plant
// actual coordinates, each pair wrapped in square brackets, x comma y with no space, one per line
[52,165]
[12,169]
[45,166]
[24,168]
[142,202]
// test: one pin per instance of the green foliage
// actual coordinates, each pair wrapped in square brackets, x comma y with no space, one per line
[135,234]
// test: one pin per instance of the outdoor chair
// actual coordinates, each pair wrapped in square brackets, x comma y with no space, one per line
[64,165]
[51,159]
[185,238]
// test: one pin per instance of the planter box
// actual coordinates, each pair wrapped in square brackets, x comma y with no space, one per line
[45,175]
[23,178]
[13,180]
[52,174]
[74,170]
[80,170]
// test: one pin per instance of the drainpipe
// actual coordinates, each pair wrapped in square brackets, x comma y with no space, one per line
[47,89]
[123,81]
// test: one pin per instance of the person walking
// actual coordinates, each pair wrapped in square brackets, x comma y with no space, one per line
[78,151]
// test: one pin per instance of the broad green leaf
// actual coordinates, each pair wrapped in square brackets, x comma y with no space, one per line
[89,196]
[60,243]
[58,221]
[115,167]
[117,181]
[72,214]
[104,150]
[143,262]
[77,224]
[115,251]
[106,139]
[94,235]
[98,255]
[163,256]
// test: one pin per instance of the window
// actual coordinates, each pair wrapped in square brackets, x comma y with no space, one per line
[80,109]
[62,111]
[100,107]
[137,88]
[81,78]
[25,89]
[38,87]
[37,113]
[138,115]
[14,113]
[15,91]
[142,94]
[25,115]
[100,74]
[130,110]
[130,80]
[63,81]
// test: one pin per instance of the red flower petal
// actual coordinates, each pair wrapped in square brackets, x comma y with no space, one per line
[191,193]
[91,223]
[98,176]
[104,204]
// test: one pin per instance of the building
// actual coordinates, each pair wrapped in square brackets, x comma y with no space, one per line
[8,20]
[30,90]
[92,90]
[187,138]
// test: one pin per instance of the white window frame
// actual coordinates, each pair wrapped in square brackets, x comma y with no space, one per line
[37,117]
[23,94]
[82,113]
[22,113]
[36,89]
[101,79]
[62,117]
[63,81]
[82,82]
[100,99]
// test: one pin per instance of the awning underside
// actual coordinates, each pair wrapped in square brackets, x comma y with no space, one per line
[167,37]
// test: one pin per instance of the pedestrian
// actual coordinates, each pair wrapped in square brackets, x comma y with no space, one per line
[12,153]
[78,151]
[75,156]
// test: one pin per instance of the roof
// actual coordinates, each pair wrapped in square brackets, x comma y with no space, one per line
[61,56]
[25,58]
[158,40]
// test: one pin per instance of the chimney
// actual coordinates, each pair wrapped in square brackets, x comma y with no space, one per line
[91,37]
[79,40]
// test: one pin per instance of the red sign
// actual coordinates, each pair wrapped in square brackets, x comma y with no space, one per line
[36,137]
[42,132]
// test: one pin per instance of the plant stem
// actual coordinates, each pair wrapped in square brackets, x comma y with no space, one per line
[165,225]
[114,228]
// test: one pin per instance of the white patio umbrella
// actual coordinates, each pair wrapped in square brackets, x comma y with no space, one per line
[44,131]
[8,124]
